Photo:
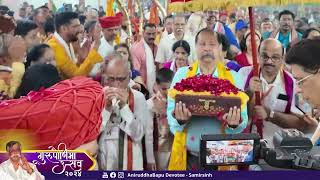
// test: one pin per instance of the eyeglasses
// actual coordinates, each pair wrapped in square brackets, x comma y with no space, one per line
[273,59]
[300,82]
[113,79]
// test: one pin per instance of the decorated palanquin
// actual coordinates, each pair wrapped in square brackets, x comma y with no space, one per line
[68,112]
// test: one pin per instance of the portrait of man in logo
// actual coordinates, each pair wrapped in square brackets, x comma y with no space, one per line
[17,166]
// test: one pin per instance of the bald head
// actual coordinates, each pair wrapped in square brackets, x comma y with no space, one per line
[117,60]
[273,44]
[116,72]
[92,15]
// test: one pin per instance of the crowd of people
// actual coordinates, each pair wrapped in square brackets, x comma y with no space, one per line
[141,125]
[225,152]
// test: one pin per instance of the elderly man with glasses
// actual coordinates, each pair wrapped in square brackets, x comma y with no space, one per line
[277,88]
[124,119]
[305,65]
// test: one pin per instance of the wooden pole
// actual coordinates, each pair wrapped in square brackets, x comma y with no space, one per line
[259,122]
[141,18]
[126,14]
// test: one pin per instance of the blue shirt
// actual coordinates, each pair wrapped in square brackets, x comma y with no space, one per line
[135,73]
[199,125]
[230,36]
[284,39]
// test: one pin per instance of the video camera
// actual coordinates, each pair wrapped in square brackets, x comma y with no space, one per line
[292,150]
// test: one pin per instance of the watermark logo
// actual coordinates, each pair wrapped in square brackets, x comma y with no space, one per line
[60,161]
[113,175]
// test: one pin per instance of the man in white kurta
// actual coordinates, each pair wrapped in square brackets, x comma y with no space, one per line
[164,53]
[110,28]
[125,112]
[17,167]
[277,87]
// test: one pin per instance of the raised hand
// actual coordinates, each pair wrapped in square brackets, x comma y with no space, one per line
[261,112]
[97,35]
[159,103]
[84,50]
[233,116]
[122,95]
[25,165]
[255,84]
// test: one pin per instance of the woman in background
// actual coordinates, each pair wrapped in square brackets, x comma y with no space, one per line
[245,58]
[181,52]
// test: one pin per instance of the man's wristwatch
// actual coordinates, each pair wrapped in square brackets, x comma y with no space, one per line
[232,126]
[271,115]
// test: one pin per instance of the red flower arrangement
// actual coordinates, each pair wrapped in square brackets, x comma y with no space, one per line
[203,83]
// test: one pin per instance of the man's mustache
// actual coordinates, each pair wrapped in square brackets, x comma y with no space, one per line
[271,65]
[151,39]
[208,55]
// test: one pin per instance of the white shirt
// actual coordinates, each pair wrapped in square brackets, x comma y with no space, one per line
[105,49]
[271,101]
[165,54]
[7,172]
[124,36]
[134,124]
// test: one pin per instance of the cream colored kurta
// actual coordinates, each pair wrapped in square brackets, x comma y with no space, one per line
[134,124]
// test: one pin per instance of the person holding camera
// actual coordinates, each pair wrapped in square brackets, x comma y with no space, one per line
[304,61]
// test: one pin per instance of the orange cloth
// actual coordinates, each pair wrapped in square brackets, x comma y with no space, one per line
[68,112]
[154,16]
